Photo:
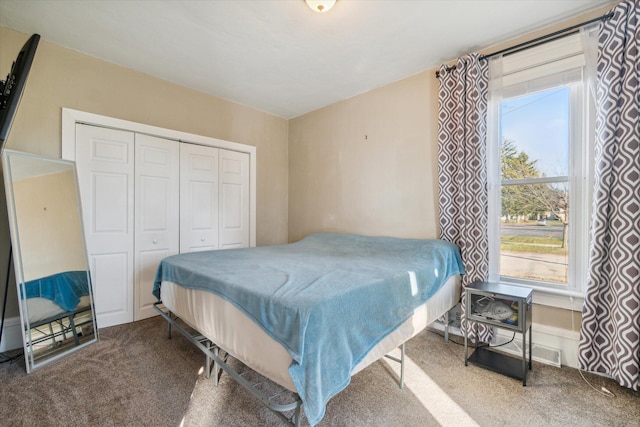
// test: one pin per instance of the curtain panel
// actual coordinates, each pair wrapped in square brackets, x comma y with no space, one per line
[610,331]
[462,167]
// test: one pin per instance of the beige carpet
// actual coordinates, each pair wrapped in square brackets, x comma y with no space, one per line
[136,377]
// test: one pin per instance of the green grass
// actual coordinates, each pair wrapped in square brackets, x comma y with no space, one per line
[532,240]
[514,247]
[548,245]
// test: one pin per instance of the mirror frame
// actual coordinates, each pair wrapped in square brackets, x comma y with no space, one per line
[15,251]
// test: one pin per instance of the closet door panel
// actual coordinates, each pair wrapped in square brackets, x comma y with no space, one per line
[157,200]
[104,160]
[111,300]
[198,198]
[234,199]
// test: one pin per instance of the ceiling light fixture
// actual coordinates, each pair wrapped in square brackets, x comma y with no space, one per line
[320,5]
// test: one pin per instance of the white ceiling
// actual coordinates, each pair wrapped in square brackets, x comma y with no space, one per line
[278,56]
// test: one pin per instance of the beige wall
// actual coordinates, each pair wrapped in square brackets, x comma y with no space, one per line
[367,164]
[62,77]
[49,226]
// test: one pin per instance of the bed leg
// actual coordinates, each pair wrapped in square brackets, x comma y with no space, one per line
[73,330]
[169,327]
[215,366]
[402,366]
[296,416]
[446,327]
[400,361]
[207,369]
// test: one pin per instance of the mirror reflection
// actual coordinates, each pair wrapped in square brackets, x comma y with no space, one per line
[52,274]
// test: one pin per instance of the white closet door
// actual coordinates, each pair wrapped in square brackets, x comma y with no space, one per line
[234,199]
[105,162]
[157,197]
[198,198]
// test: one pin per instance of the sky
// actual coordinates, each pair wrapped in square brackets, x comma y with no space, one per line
[539,125]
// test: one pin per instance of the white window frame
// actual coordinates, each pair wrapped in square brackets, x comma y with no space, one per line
[532,65]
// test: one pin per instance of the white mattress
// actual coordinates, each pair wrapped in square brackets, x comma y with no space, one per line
[43,308]
[233,331]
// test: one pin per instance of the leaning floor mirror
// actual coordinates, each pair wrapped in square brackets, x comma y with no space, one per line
[49,256]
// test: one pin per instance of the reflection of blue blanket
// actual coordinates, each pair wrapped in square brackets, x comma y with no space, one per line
[328,299]
[65,289]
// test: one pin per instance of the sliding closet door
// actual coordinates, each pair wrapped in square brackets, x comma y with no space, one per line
[157,198]
[148,197]
[105,164]
[234,199]
[198,198]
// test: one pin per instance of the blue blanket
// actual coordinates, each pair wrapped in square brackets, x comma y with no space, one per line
[328,299]
[65,289]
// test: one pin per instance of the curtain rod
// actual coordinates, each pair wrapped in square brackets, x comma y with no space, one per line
[539,40]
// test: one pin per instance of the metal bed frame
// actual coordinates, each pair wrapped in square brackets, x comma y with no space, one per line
[69,328]
[214,357]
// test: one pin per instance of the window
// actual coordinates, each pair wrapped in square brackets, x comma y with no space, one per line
[540,162]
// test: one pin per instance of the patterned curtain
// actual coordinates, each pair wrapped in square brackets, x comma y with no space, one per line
[610,333]
[462,167]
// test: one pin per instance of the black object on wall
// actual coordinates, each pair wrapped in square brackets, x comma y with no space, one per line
[11,89]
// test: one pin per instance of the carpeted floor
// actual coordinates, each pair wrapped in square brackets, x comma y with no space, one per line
[136,377]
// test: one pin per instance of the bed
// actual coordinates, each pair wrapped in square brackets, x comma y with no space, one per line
[311,314]
[57,305]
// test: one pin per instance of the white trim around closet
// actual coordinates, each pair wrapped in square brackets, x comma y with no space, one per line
[72,117]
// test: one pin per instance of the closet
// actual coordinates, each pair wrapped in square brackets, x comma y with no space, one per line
[146,197]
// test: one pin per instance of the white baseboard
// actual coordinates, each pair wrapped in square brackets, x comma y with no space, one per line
[550,337]
[11,334]
[563,339]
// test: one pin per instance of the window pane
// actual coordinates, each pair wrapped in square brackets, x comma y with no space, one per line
[535,133]
[534,232]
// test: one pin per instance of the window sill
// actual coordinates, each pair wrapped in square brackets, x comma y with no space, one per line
[566,299]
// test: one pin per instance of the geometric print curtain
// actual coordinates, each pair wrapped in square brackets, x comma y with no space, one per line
[610,331]
[462,167]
